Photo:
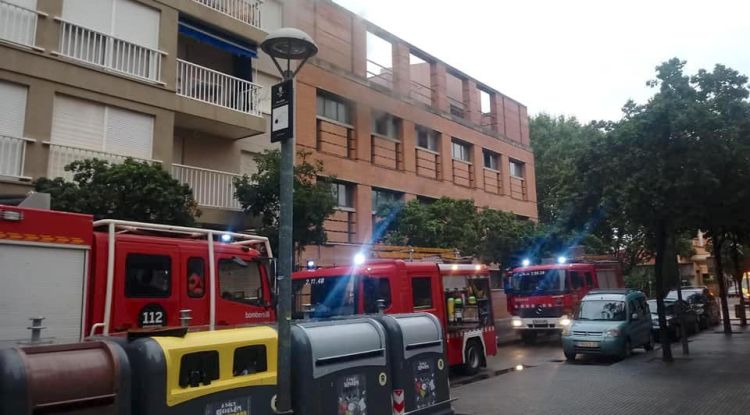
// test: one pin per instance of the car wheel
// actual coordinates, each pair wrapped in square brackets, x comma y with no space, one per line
[570,356]
[627,349]
[473,355]
[650,345]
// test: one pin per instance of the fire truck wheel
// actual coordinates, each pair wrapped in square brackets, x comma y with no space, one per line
[473,358]
[528,337]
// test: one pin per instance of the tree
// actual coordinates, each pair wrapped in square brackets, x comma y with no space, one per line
[313,200]
[132,190]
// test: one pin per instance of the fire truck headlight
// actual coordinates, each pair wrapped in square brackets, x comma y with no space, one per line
[359,259]
[566,330]
[526,262]
[565,321]
[310,264]
[225,237]
[561,260]
[516,322]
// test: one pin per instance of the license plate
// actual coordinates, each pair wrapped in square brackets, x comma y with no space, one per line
[587,344]
[539,321]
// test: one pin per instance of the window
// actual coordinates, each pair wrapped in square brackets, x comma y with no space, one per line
[421,292]
[484,102]
[516,169]
[385,124]
[420,78]
[12,116]
[333,107]
[461,151]
[589,280]
[196,277]
[199,368]
[344,194]
[381,198]
[249,360]
[455,91]
[148,276]
[376,289]
[491,160]
[427,138]
[240,281]
[128,20]
[379,60]
[576,280]
[329,296]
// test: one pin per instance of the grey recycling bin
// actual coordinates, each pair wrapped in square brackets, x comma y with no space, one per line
[340,367]
[419,370]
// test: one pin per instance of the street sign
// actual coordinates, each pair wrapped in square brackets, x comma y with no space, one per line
[282,111]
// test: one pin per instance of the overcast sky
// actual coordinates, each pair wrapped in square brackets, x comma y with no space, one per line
[575,57]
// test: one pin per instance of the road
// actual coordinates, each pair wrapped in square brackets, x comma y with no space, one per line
[712,379]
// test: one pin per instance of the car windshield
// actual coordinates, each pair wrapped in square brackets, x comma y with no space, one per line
[551,281]
[601,310]
[328,296]
[668,307]
[685,293]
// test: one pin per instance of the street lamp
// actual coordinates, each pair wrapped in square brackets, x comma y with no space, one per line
[285,44]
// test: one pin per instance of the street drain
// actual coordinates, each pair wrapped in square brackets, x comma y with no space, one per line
[488,375]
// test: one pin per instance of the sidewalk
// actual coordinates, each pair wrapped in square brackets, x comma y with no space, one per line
[713,379]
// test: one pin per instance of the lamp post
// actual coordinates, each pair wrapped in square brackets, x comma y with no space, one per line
[285,44]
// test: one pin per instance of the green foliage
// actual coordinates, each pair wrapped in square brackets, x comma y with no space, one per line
[131,190]
[313,200]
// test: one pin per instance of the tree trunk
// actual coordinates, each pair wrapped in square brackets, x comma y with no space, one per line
[718,241]
[672,276]
[666,347]
[738,280]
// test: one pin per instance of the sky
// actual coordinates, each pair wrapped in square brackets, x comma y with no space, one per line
[569,57]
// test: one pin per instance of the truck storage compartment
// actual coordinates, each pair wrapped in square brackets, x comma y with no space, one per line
[340,367]
[223,372]
[81,378]
[418,363]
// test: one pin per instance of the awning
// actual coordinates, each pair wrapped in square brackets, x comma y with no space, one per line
[211,37]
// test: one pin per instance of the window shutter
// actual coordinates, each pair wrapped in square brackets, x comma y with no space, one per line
[129,133]
[29,4]
[77,123]
[12,109]
[95,15]
[136,23]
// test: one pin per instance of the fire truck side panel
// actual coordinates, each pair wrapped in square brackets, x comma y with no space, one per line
[43,269]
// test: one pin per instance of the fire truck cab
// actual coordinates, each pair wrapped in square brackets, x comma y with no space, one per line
[106,277]
[457,294]
[543,298]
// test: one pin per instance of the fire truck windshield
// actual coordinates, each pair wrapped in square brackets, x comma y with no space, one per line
[328,296]
[551,281]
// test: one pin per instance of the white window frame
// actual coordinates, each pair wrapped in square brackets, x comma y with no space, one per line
[348,188]
[517,169]
[323,99]
[397,196]
[464,151]
[495,157]
[393,125]
[432,138]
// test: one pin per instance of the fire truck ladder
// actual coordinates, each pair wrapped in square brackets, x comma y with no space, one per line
[121,226]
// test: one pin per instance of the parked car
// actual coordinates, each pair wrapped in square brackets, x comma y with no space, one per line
[609,322]
[674,327]
[703,302]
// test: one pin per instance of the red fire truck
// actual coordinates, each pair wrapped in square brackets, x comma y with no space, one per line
[90,277]
[457,294]
[543,298]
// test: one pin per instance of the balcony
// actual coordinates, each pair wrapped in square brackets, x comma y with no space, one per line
[217,88]
[211,188]
[18,24]
[109,52]
[246,11]
[61,155]
[12,156]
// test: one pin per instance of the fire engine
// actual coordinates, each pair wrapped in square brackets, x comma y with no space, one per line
[543,298]
[104,277]
[457,294]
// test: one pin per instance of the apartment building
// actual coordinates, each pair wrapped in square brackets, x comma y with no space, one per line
[170,81]
[184,83]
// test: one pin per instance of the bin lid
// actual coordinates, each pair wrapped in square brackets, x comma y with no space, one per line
[421,333]
[343,344]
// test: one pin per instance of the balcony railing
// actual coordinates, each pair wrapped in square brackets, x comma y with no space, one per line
[17,24]
[61,155]
[110,53]
[12,156]
[217,88]
[211,188]
[247,11]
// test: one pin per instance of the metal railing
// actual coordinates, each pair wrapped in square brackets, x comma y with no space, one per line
[379,74]
[12,156]
[17,24]
[217,88]
[246,11]
[421,92]
[211,188]
[62,155]
[108,52]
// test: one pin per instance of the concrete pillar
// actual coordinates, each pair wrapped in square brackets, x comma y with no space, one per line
[409,144]
[163,145]
[471,101]
[363,131]
[359,48]
[168,43]
[446,157]
[499,113]
[401,68]
[363,195]
[477,165]
[438,82]
[306,112]
[38,126]
[525,139]
[505,169]
[47,29]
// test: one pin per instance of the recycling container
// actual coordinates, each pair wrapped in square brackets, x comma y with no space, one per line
[340,367]
[419,372]
[79,378]
[221,372]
